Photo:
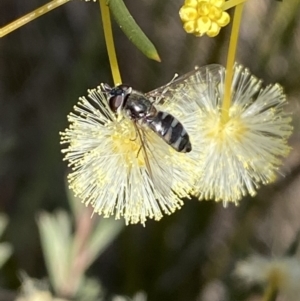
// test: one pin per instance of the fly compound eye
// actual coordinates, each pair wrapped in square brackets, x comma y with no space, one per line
[115,102]
[118,96]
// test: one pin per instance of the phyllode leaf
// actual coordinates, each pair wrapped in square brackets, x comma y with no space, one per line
[56,239]
[131,29]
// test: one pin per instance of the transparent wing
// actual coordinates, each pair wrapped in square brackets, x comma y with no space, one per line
[190,85]
[155,154]
[183,90]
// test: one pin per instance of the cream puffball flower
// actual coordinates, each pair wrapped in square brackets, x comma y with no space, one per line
[117,173]
[239,154]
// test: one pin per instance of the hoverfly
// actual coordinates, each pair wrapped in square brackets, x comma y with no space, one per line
[142,108]
[138,108]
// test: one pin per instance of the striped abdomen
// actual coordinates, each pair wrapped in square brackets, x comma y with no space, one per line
[171,130]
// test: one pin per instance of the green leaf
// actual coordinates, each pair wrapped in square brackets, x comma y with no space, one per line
[56,239]
[131,29]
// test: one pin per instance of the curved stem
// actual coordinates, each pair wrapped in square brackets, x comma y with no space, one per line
[110,42]
[230,61]
[31,16]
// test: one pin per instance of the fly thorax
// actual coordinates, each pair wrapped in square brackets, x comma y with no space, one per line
[137,106]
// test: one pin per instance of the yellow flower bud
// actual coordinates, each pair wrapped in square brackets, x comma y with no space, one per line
[202,25]
[189,26]
[203,8]
[215,13]
[224,19]
[191,3]
[203,17]
[187,13]
[214,30]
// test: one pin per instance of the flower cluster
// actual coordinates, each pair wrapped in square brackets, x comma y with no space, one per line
[137,175]
[203,17]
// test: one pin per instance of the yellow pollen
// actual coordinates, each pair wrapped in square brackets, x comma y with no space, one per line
[233,129]
[126,142]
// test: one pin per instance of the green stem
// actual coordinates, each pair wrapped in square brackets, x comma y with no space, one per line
[230,61]
[31,16]
[110,42]
[231,3]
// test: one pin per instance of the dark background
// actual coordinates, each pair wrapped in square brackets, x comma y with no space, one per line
[46,65]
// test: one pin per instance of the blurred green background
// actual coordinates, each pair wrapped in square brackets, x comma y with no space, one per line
[46,65]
